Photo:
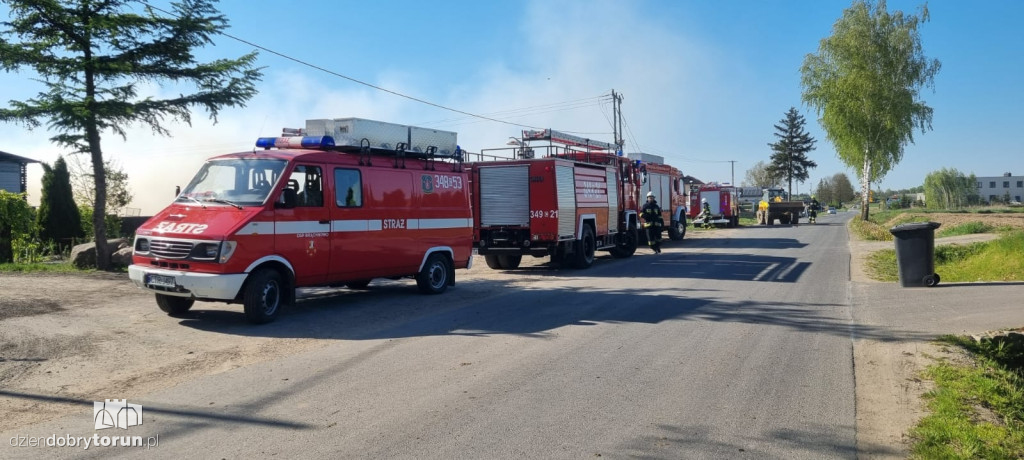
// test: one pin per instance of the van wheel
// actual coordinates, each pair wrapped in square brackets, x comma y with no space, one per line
[677,230]
[493,261]
[585,248]
[263,296]
[174,305]
[358,284]
[510,262]
[434,277]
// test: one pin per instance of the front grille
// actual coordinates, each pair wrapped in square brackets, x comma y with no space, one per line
[170,249]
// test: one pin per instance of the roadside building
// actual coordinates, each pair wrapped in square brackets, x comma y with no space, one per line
[12,172]
[997,189]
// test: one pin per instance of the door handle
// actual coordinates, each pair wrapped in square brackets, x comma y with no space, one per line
[325,221]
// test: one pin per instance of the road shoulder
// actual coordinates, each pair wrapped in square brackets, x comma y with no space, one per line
[893,329]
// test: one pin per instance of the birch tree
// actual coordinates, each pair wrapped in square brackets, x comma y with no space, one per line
[865,82]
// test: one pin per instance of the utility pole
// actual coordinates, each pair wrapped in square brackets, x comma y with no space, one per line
[617,119]
[732,166]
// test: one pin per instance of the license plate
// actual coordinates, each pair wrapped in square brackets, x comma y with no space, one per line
[160,280]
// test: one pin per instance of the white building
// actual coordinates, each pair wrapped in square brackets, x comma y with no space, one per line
[996,188]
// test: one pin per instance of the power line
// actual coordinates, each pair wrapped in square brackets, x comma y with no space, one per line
[544,108]
[355,80]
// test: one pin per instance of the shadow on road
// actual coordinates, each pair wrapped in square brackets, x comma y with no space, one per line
[747,243]
[242,418]
[668,441]
[390,311]
[683,265]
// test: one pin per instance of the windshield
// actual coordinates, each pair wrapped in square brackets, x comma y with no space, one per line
[235,181]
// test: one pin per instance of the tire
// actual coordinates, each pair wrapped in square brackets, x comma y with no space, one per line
[784,220]
[435,275]
[931,280]
[493,261]
[173,305]
[358,284]
[263,296]
[510,262]
[677,230]
[627,247]
[585,249]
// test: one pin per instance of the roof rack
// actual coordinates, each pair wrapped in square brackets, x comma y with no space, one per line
[294,139]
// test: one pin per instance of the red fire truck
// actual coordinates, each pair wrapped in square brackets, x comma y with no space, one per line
[723,201]
[667,184]
[340,202]
[565,199]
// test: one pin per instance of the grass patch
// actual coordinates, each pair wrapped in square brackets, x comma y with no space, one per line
[997,260]
[747,221]
[882,265]
[39,267]
[870,231]
[968,228]
[976,407]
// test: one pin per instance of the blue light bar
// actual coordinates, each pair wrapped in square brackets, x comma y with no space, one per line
[317,142]
[296,142]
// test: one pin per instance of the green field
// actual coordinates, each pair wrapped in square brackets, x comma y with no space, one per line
[977,407]
[997,260]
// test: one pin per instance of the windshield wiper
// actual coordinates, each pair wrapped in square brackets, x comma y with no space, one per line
[193,199]
[219,200]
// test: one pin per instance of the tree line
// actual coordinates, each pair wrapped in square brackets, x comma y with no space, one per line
[65,212]
[835,190]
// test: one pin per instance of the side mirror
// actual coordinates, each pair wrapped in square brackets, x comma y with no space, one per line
[287,200]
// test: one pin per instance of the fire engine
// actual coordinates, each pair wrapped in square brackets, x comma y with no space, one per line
[667,184]
[340,202]
[723,201]
[565,199]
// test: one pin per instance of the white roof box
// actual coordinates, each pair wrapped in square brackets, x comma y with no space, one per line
[646,157]
[381,135]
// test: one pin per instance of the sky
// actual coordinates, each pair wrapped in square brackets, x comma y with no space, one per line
[703,82]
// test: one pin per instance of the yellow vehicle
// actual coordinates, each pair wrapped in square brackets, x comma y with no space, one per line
[773,206]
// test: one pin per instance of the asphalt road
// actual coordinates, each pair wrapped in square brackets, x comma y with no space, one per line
[730,346]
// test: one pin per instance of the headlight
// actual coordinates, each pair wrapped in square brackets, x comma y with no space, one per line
[205,251]
[141,245]
[227,249]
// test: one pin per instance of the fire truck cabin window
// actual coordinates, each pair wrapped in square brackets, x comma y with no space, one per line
[307,181]
[233,181]
[348,188]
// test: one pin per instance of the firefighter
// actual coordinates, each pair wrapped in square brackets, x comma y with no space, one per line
[705,213]
[812,211]
[651,214]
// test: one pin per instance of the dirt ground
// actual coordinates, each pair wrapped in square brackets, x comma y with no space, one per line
[1015,220]
[90,337]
